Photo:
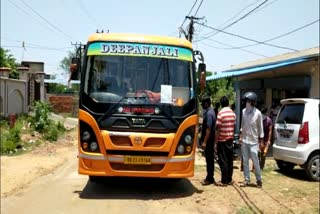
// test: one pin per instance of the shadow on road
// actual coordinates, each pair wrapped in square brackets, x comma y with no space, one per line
[138,188]
[297,173]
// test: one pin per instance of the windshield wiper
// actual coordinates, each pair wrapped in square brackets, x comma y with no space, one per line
[110,110]
[165,113]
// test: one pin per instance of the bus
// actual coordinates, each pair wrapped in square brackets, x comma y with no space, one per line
[138,108]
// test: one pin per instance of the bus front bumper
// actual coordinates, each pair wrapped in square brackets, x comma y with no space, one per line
[114,165]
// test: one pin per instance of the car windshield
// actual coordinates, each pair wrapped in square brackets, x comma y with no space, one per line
[110,79]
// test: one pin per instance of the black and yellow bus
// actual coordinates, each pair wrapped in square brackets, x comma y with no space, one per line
[137,106]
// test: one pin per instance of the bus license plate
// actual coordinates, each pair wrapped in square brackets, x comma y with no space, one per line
[143,160]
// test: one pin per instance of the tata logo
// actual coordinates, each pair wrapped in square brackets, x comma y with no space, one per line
[138,140]
[138,121]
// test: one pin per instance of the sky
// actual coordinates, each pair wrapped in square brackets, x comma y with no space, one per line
[47,28]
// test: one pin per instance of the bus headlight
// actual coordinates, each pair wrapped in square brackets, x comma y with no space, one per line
[88,140]
[186,145]
[93,146]
[180,149]
[188,139]
[86,135]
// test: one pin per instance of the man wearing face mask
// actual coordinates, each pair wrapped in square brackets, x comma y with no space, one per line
[251,136]
[207,138]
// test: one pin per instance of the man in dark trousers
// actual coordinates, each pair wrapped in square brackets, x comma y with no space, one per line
[207,138]
[226,119]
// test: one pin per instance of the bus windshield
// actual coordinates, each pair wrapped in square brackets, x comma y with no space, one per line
[114,78]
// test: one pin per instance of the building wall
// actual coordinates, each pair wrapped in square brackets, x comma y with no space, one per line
[63,104]
[13,97]
[35,67]
[288,75]
[299,71]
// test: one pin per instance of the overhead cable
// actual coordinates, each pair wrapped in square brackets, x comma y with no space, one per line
[189,13]
[230,46]
[246,38]
[44,19]
[236,21]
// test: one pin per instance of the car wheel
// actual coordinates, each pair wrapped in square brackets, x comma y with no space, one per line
[285,166]
[313,168]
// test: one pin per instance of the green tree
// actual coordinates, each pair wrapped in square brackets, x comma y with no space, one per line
[66,61]
[219,88]
[7,60]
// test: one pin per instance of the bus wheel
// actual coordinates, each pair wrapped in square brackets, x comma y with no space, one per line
[94,179]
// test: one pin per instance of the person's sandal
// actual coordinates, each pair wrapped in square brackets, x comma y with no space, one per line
[219,184]
[245,184]
[259,184]
[206,182]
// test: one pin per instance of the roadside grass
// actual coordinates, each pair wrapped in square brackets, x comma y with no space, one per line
[281,193]
[29,131]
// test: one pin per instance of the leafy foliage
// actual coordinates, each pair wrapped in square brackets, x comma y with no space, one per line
[7,60]
[66,61]
[55,88]
[41,116]
[219,88]
[53,130]
[10,139]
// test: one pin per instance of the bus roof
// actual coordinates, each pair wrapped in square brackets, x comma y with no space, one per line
[139,38]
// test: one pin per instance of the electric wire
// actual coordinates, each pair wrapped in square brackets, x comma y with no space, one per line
[236,21]
[28,14]
[189,13]
[92,19]
[44,19]
[222,43]
[195,14]
[32,44]
[245,38]
[282,35]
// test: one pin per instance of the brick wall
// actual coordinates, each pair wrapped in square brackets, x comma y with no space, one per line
[63,104]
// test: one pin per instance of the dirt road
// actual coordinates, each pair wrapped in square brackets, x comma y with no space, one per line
[38,185]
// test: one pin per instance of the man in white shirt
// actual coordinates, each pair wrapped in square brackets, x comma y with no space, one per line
[250,138]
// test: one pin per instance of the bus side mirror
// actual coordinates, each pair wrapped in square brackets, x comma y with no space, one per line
[202,75]
[74,69]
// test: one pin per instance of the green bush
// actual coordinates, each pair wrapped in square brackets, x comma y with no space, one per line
[41,116]
[60,127]
[53,131]
[7,146]
[11,137]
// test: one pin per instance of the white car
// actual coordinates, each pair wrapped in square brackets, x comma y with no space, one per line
[296,134]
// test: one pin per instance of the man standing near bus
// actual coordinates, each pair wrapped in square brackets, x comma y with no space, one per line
[226,119]
[251,136]
[207,138]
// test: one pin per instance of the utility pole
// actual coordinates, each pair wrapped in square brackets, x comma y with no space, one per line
[191,28]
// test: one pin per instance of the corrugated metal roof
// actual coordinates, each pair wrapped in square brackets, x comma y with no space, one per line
[244,71]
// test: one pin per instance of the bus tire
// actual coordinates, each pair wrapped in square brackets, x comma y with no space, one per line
[94,179]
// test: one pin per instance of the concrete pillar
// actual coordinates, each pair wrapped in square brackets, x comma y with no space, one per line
[4,72]
[31,88]
[42,88]
[238,110]
[314,90]
[268,101]
[23,73]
